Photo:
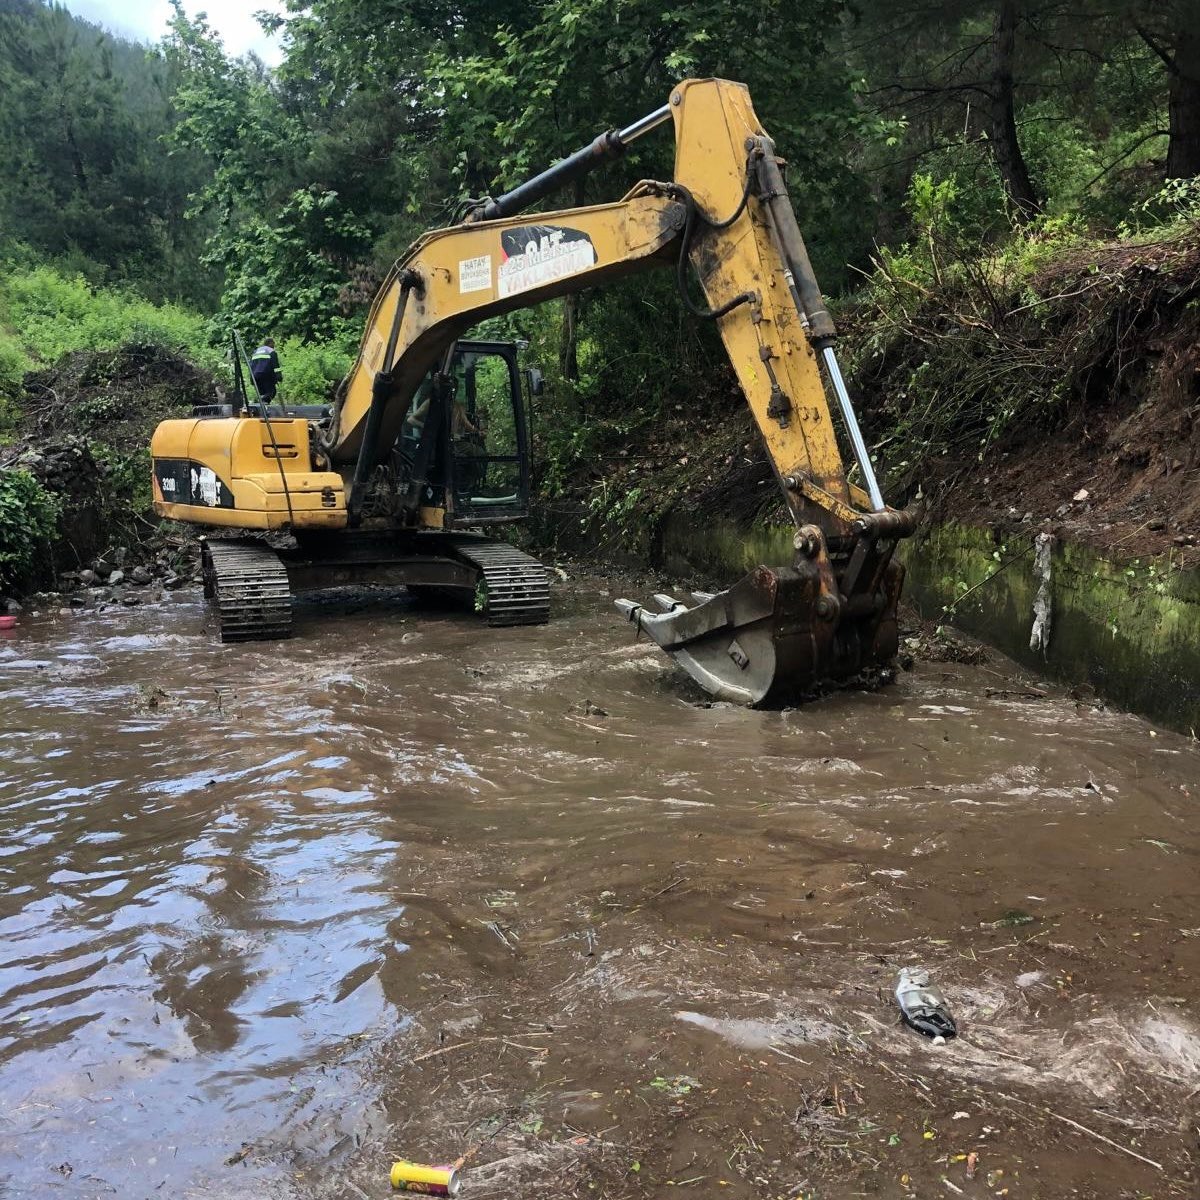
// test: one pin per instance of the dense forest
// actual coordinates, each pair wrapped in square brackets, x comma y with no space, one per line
[943,156]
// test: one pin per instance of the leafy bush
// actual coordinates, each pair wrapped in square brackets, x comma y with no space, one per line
[28,517]
[54,314]
[287,274]
[311,370]
[128,478]
[14,362]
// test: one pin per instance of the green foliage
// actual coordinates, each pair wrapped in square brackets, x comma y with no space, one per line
[1176,205]
[14,362]
[536,89]
[286,275]
[28,518]
[53,314]
[127,475]
[85,178]
[311,370]
[285,250]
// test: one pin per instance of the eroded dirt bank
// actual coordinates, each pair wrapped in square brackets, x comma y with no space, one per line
[273,915]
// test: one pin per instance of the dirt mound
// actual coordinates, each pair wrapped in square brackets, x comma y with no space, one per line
[115,396]
[84,434]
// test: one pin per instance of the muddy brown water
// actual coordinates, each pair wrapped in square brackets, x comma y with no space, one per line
[403,886]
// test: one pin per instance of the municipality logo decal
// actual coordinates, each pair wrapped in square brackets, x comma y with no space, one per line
[535,255]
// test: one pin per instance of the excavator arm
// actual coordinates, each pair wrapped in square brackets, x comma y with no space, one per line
[726,216]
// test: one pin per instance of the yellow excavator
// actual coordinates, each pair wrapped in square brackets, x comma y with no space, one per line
[426,444]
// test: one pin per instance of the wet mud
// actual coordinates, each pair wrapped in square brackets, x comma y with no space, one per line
[272,916]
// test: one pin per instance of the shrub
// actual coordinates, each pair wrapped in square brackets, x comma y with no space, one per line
[53,314]
[28,520]
[311,370]
[14,362]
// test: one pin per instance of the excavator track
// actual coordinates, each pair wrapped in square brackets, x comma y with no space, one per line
[248,584]
[517,585]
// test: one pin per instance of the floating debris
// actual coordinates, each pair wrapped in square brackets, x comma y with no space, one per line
[922,1005]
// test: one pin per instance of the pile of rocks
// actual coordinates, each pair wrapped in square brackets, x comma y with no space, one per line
[120,576]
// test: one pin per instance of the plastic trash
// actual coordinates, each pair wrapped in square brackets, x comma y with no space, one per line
[409,1176]
[922,1005]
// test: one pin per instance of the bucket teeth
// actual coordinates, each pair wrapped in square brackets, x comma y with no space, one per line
[667,603]
[628,609]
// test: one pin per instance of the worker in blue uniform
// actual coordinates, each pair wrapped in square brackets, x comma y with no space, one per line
[264,367]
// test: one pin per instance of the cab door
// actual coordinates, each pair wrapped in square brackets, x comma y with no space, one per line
[487,436]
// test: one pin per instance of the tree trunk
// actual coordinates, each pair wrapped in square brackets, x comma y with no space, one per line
[1183,105]
[568,342]
[1006,149]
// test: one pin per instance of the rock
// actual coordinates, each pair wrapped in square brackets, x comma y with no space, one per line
[1081,495]
[1184,539]
[173,581]
[13,607]
[130,599]
[78,600]
[116,577]
[1157,525]
[140,576]
[87,578]
[103,568]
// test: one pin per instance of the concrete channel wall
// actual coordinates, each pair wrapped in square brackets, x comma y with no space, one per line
[1128,629]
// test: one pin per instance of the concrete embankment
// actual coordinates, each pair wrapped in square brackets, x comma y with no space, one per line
[1127,631]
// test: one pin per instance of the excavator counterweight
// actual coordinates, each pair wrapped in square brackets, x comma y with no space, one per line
[427,443]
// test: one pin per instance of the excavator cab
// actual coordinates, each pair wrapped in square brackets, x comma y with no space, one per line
[489,461]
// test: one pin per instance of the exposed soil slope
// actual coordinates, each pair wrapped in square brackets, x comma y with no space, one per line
[1100,373]
[85,435]
[1070,402]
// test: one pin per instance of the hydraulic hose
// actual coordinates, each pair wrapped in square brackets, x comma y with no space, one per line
[692,214]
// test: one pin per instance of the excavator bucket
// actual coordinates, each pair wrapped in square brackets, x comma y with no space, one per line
[780,633]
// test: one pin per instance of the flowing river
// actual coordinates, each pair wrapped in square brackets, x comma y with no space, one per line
[404,886]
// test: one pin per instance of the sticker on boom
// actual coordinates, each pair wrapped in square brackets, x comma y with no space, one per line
[535,255]
[475,274]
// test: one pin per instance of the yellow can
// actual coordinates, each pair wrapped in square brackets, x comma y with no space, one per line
[418,1177]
